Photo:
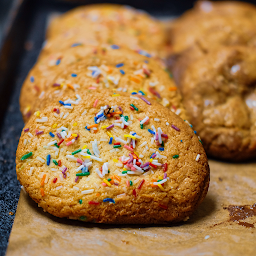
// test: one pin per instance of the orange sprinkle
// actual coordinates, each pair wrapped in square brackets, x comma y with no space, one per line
[42,191]
[111,182]
[95,103]
[91,126]
[117,178]
[43,179]
[172,88]
[98,194]
[135,79]
[70,138]
[152,185]
[71,86]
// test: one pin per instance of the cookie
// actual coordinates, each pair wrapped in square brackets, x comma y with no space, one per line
[215,23]
[88,67]
[219,92]
[106,23]
[112,159]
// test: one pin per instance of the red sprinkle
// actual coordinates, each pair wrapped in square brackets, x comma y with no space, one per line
[93,202]
[165,167]
[55,109]
[134,192]
[60,142]
[163,206]
[59,162]
[141,183]
[132,108]
[155,166]
[117,143]
[54,180]
[125,126]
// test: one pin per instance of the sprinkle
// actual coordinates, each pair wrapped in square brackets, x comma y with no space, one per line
[51,134]
[95,103]
[134,192]
[197,157]
[144,99]
[93,203]
[117,146]
[26,156]
[39,132]
[54,126]
[54,180]
[134,107]
[59,187]
[109,134]
[42,120]
[55,162]
[89,191]
[119,65]
[129,136]
[48,160]
[161,149]
[76,44]
[83,174]
[152,132]
[74,75]
[32,79]
[42,191]
[129,148]
[115,47]
[122,72]
[76,152]
[26,130]
[111,140]
[107,182]
[160,186]
[141,183]
[109,200]
[60,142]
[175,156]
[115,95]
[40,159]
[144,120]
[175,128]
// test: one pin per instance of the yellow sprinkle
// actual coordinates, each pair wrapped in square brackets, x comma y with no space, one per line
[104,127]
[109,134]
[61,85]
[74,134]
[143,91]
[107,182]
[37,113]
[129,136]
[160,186]
[115,160]
[136,153]
[75,124]
[54,126]
[124,169]
[87,157]
[115,95]
[160,177]
[150,160]
[84,147]
[27,109]
[134,91]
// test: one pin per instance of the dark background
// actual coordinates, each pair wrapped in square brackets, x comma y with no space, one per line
[22,28]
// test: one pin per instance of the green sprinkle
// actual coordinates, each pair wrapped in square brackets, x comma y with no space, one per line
[56,145]
[126,118]
[134,107]
[158,180]
[123,172]
[117,146]
[201,141]
[108,171]
[77,151]
[175,156]
[88,152]
[109,179]
[26,156]
[131,183]
[55,162]
[162,144]
[141,126]
[83,218]
[80,201]
[83,174]
[121,115]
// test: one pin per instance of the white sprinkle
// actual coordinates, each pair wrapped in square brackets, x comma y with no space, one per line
[42,120]
[143,144]
[167,123]
[46,178]
[55,114]
[80,168]
[103,139]
[119,165]
[31,170]
[146,173]
[61,114]
[132,172]
[120,140]
[197,157]
[141,156]
[25,142]
[59,187]
[151,150]
[52,143]
[99,173]
[71,157]
[122,174]
[65,116]
[89,191]
[131,117]
[178,111]
[84,113]
[159,135]
[160,182]
[135,98]
[144,120]
[69,107]
[61,177]
[30,134]
[76,188]
[40,159]
[42,127]
[54,169]
[206,237]
[157,119]
[96,158]
[41,95]
[121,195]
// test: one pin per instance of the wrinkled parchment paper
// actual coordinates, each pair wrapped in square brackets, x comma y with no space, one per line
[37,233]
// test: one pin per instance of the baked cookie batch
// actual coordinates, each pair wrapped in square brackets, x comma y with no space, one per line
[108,136]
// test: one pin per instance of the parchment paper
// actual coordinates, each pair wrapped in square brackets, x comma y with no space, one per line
[37,233]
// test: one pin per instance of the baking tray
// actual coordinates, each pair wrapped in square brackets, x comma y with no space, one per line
[24,36]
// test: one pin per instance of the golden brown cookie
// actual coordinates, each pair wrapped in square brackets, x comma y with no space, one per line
[105,157]
[89,67]
[106,23]
[220,97]
[215,23]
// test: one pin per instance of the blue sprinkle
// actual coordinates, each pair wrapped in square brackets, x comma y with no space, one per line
[142,92]
[48,160]
[74,75]
[134,133]
[95,120]
[76,44]
[102,114]
[61,102]
[32,79]
[152,132]
[134,93]
[111,140]
[87,128]
[115,47]
[85,169]
[195,132]
[146,61]
[109,200]
[58,61]
[119,65]
[122,72]
[161,149]
[144,53]
[93,72]
[67,104]
[51,134]
[191,125]
[180,140]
